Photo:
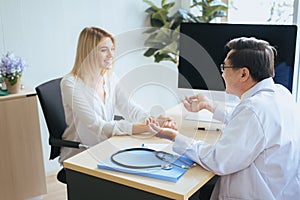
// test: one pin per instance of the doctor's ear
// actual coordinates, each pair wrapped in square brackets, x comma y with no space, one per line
[245,72]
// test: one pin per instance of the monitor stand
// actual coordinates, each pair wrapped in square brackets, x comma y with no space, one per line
[203,115]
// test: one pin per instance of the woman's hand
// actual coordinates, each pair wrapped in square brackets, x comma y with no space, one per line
[166,122]
[142,128]
[167,133]
[162,121]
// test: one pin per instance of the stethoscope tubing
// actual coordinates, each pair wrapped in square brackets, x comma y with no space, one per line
[167,166]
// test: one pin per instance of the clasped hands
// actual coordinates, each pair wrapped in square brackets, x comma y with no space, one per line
[168,129]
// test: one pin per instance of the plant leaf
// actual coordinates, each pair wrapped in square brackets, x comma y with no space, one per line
[168,6]
[151,30]
[171,48]
[161,15]
[156,23]
[151,4]
[150,10]
[160,57]
[150,52]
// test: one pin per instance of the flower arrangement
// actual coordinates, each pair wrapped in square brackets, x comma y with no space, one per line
[11,67]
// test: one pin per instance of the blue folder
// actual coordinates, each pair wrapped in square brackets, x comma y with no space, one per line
[172,175]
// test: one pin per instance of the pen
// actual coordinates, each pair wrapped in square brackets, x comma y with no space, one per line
[207,129]
[144,145]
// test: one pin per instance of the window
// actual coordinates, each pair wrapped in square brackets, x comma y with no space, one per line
[261,11]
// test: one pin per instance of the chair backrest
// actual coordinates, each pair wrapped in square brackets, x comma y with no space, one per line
[49,95]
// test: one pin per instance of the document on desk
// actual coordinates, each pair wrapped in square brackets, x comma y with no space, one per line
[172,174]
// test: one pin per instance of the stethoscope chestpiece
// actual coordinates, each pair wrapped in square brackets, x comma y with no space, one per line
[166,166]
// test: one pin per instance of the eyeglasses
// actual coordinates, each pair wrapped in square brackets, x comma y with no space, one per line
[222,67]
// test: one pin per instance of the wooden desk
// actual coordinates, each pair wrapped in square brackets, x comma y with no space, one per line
[21,166]
[86,181]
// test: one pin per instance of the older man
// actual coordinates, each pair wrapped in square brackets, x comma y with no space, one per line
[258,156]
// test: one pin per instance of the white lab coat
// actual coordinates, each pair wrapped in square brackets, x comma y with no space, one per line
[257,156]
[89,119]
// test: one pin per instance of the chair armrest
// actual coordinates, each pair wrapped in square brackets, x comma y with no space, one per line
[64,143]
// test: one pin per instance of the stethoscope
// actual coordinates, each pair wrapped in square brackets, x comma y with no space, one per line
[162,155]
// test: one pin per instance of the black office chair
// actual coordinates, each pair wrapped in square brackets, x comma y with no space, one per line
[49,95]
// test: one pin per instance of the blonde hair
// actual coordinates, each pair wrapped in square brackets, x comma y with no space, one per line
[86,63]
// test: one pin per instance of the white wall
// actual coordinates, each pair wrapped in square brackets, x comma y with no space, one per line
[45,33]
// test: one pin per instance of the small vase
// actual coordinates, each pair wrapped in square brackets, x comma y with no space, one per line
[13,89]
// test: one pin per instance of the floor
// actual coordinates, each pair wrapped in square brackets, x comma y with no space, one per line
[55,189]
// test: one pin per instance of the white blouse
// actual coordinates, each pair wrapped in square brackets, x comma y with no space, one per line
[258,156]
[90,120]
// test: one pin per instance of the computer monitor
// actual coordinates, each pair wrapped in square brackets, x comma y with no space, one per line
[201,47]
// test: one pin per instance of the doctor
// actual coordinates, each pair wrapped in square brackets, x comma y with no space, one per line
[258,156]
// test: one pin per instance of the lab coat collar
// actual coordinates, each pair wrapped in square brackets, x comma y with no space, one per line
[264,85]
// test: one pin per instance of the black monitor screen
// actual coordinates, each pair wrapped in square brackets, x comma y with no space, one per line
[202,50]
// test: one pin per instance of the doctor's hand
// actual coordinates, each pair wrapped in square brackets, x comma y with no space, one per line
[198,102]
[166,133]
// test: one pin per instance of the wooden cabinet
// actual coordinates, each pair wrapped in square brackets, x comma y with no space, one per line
[22,165]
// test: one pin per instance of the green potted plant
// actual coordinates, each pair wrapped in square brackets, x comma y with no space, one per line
[164,33]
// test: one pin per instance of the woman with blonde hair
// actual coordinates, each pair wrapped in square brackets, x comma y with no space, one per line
[91,95]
